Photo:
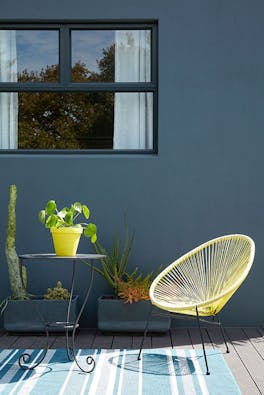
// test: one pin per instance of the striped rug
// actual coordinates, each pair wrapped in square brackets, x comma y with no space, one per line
[118,372]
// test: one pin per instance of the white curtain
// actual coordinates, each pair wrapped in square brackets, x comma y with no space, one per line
[8,101]
[133,114]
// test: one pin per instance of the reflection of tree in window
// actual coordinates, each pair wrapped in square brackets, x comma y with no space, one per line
[72,120]
[49,74]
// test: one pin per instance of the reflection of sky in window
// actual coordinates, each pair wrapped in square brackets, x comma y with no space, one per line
[88,45]
[36,49]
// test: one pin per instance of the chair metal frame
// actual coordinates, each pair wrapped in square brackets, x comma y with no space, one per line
[200,283]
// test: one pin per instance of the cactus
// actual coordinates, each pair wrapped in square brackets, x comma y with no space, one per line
[57,292]
[17,285]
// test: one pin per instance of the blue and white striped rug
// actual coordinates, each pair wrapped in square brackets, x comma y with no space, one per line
[118,372]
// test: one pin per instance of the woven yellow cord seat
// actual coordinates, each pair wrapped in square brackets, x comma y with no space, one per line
[202,281]
[205,277]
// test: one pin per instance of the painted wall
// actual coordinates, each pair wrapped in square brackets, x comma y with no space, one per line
[207,179]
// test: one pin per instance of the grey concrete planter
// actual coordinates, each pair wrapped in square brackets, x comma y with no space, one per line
[22,315]
[116,316]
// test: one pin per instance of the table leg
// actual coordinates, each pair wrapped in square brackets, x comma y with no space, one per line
[71,351]
[25,359]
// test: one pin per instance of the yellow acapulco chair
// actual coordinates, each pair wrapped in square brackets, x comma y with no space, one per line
[202,281]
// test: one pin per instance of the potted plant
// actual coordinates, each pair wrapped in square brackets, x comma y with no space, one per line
[126,310]
[65,231]
[19,309]
[34,314]
[17,274]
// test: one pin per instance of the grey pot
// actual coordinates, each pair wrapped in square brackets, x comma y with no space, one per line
[24,315]
[116,316]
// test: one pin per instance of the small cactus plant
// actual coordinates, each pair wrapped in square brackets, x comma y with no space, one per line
[57,292]
[17,274]
[17,281]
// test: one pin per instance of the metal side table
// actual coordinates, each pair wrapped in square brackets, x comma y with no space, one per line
[25,359]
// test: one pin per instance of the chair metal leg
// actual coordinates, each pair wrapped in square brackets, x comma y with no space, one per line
[171,338]
[223,334]
[145,332]
[202,339]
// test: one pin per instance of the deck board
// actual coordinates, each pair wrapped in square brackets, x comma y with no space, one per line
[256,338]
[162,340]
[85,338]
[136,341]
[247,353]
[196,339]
[103,340]
[233,360]
[125,341]
[245,360]
[7,341]
[181,338]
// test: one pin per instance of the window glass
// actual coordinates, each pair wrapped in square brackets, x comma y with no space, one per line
[100,120]
[29,56]
[104,97]
[106,55]
[65,120]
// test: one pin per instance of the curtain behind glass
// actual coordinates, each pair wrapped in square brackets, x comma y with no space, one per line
[133,119]
[8,101]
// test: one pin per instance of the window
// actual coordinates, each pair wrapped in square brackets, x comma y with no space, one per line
[78,87]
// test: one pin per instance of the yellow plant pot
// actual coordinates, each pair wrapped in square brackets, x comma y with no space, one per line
[66,240]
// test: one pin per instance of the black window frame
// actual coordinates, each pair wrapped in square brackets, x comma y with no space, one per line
[65,85]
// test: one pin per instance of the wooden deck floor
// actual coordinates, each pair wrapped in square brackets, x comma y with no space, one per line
[246,357]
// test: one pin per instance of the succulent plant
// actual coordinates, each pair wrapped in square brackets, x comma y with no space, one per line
[115,261]
[17,281]
[17,274]
[134,287]
[57,292]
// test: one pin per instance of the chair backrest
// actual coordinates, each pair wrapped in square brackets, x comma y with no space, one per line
[205,277]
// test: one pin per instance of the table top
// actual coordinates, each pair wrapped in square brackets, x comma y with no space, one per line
[54,256]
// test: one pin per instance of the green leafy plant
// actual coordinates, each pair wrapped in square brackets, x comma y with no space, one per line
[52,217]
[57,292]
[130,286]
[115,263]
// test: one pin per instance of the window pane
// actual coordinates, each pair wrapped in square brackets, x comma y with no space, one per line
[65,120]
[29,55]
[101,120]
[111,55]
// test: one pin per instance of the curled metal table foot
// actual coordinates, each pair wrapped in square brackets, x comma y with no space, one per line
[89,361]
[26,362]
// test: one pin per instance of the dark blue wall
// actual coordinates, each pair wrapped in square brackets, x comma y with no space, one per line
[207,179]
